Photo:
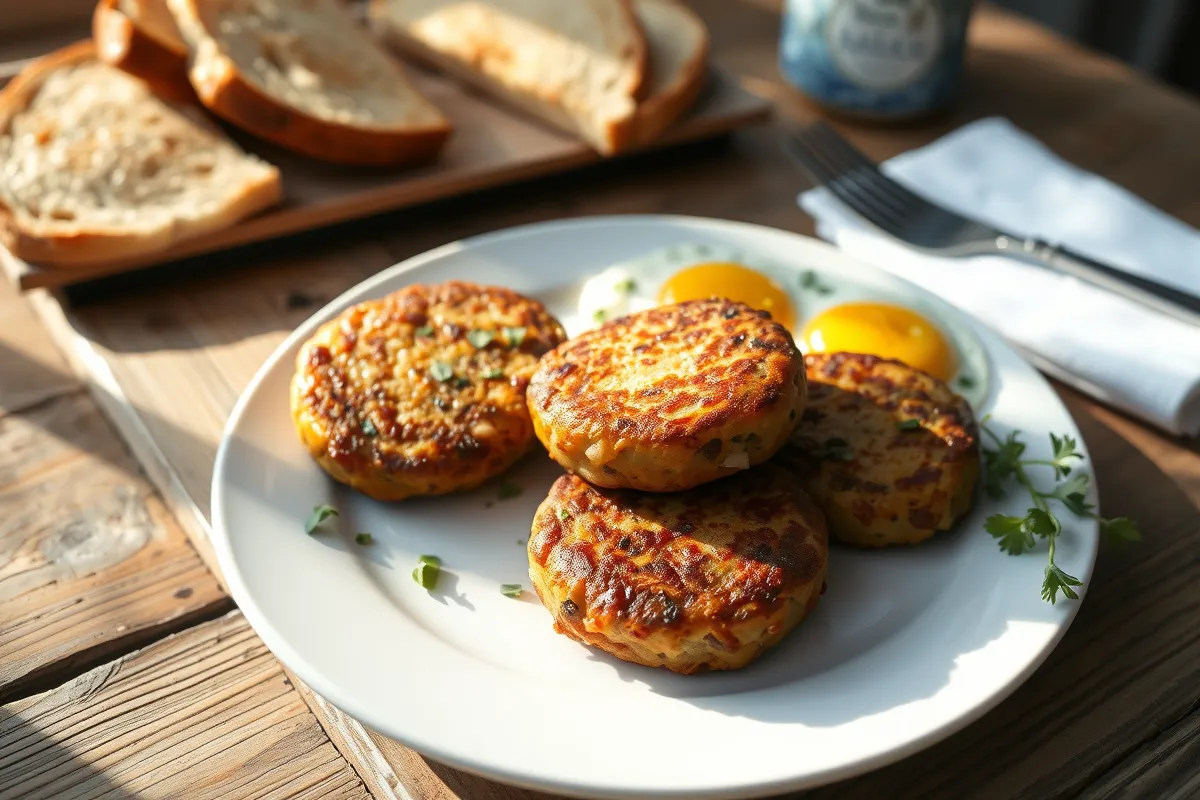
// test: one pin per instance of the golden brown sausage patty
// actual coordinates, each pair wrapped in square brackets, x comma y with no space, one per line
[422,392]
[889,453]
[710,577]
[669,398]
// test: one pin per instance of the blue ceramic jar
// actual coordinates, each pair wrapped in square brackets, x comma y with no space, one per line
[883,59]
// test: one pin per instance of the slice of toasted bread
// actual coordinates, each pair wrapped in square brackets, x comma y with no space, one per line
[302,74]
[139,37]
[97,168]
[678,43]
[579,65]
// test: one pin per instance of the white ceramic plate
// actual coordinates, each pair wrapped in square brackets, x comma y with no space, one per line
[905,648]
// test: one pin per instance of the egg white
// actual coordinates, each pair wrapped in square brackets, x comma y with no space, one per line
[634,285]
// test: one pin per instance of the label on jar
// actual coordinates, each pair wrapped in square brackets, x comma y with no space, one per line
[884,44]
[885,58]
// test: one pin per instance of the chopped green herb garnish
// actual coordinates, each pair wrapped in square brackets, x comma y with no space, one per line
[514,336]
[834,448]
[810,281]
[461,383]
[427,570]
[563,514]
[440,371]
[511,589]
[1016,534]
[364,539]
[493,372]
[627,286]
[909,424]
[599,315]
[424,330]
[368,427]
[479,339]
[509,490]
[966,381]
[319,514]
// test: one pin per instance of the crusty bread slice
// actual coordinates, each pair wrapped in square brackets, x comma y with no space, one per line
[678,44]
[97,168]
[139,37]
[302,74]
[577,64]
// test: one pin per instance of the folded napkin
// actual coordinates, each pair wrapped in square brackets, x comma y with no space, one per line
[1112,348]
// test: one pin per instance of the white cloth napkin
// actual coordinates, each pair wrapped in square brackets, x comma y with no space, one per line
[1112,348]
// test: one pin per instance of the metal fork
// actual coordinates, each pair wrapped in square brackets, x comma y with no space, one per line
[857,182]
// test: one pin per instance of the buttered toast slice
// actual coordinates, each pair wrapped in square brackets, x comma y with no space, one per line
[302,74]
[578,64]
[97,168]
[678,46]
[140,37]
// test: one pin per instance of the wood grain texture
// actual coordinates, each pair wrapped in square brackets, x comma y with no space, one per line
[1164,767]
[1115,698]
[31,367]
[491,147]
[91,563]
[207,713]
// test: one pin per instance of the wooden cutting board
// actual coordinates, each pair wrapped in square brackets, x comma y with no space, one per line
[492,146]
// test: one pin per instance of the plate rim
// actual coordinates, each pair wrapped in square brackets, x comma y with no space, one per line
[276,642]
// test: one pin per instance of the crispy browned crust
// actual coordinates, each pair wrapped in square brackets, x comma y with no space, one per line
[224,91]
[372,412]
[640,52]
[708,578]
[662,108]
[121,43]
[663,400]
[877,483]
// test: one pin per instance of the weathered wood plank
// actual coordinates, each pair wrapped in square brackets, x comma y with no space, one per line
[431,780]
[91,563]
[358,745]
[1164,767]
[207,713]
[31,368]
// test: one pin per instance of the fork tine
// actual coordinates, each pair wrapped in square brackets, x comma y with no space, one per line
[845,185]
[841,150]
[865,174]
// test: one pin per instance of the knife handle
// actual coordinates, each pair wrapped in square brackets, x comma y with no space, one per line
[1162,298]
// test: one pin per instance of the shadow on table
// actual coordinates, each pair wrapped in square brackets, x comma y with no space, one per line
[33,766]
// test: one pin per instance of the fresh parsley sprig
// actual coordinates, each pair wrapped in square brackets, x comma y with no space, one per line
[1015,535]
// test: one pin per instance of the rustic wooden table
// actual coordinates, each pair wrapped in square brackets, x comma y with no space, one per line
[126,671]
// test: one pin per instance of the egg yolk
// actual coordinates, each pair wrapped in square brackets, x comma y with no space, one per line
[733,282]
[881,330]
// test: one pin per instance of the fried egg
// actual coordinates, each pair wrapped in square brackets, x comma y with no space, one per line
[733,282]
[884,330]
[826,311]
